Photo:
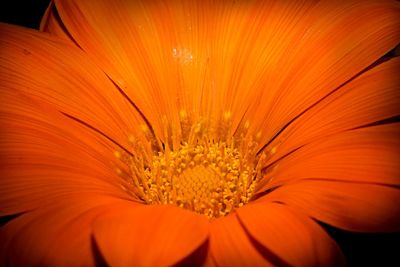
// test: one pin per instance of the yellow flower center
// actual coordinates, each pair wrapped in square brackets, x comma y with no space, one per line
[202,174]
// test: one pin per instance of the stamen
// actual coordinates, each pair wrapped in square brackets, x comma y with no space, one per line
[203,174]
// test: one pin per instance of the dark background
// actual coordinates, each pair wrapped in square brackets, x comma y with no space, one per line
[359,249]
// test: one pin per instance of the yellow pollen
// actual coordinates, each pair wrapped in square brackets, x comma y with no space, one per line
[117,154]
[227,115]
[144,128]
[183,114]
[208,176]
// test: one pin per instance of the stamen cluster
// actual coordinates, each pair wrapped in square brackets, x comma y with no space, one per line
[208,176]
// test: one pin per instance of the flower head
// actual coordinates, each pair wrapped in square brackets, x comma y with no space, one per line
[157,133]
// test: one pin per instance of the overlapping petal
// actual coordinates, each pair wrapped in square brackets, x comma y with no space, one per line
[289,235]
[148,235]
[230,245]
[365,155]
[328,55]
[57,234]
[50,70]
[349,180]
[51,23]
[182,48]
[45,156]
[372,97]
[347,205]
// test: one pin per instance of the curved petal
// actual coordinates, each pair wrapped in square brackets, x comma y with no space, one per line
[350,206]
[230,245]
[51,23]
[148,235]
[58,234]
[365,155]
[192,56]
[340,41]
[132,43]
[234,55]
[290,235]
[372,97]
[50,70]
[45,156]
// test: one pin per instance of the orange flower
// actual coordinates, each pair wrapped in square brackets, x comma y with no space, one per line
[206,133]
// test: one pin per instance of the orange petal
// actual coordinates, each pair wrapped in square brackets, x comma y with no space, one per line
[350,206]
[365,155]
[230,245]
[148,235]
[128,45]
[58,234]
[330,52]
[203,58]
[290,235]
[372,97]
[233,55]
[51,23]
[45,155]
[52,71]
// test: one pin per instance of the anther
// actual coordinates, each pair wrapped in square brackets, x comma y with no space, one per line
[206,175]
